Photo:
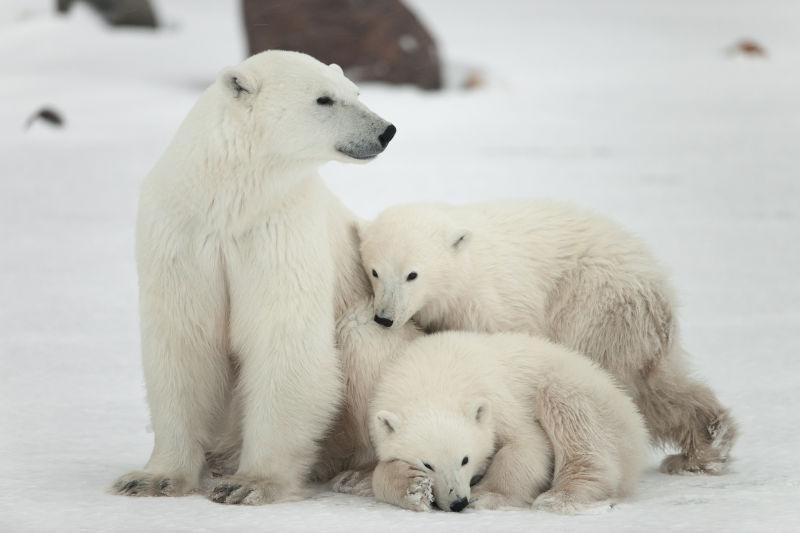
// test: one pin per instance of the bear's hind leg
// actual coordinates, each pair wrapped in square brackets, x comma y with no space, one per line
[682,411]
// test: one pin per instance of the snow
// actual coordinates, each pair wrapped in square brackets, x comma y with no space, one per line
[632,107]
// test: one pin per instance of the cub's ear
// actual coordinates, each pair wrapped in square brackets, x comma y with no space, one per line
[238,83]
[336,68]
[479,410]
[459,238]
[388,421]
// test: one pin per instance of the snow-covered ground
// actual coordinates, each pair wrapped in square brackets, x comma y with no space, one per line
[631,107]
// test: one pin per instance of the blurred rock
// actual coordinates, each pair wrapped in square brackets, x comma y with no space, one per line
[48,115]
[372,40]
[748,47]
[118,12]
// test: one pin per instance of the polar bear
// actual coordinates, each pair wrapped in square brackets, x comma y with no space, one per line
[245,261]
[539,423]
[553,270]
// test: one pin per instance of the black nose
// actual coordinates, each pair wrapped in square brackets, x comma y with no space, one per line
[459,505]
[387,135]
[387,322]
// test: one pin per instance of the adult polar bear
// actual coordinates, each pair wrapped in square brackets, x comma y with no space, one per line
[553,270]
[245,261]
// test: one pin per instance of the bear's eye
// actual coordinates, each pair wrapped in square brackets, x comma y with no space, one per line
[465,460]
[325,100]
[429,467]
[374,274]
[412,276]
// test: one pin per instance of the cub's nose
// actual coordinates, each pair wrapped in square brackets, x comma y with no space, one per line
[387,135]
[385,322]
[459,505]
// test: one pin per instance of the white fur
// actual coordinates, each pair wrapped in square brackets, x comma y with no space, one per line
[553,270]
[511,408]
[245,260]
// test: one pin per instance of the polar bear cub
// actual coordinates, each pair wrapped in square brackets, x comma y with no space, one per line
[541,424]
[556,271]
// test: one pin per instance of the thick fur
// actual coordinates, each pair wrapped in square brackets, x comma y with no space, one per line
[553,270]
[526,414]
[245,261]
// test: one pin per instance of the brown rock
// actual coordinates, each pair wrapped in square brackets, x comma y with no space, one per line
[372,40]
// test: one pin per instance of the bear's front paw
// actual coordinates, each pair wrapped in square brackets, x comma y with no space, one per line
[486,500]
[356,482]
[557,501]
[140,483]
[239,490]
[419,495]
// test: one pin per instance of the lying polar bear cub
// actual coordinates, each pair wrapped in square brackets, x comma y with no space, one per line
[522,412]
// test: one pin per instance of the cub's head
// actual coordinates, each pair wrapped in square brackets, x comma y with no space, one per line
[411,255]
[293,107]
[450,448]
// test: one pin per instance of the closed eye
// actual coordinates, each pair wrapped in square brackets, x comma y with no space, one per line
[429,467]
[325,100]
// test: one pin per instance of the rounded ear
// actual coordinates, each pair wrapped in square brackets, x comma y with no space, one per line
[459,238]
[388,421]
[238,83]
[336,68]
[479,410]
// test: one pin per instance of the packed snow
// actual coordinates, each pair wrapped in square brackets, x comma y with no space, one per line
[638,109]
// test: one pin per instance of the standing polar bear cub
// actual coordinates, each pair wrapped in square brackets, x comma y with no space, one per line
[525,414]
[245,259]
[552,270]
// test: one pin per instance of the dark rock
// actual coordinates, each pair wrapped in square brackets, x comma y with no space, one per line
[372,40]
[48,115]
[118,12]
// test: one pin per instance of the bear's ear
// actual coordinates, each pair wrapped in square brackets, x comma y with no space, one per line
[237,83]
[459,238]
[479,410]
[336,68]
[388,421]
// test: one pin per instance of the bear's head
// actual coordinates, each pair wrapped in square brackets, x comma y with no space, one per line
[412,255]
[296,109]
[452,448]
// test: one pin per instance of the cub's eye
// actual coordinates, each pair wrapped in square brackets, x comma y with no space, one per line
[374,274]
[325,100]
[412,276]
[465,460]
[429,467]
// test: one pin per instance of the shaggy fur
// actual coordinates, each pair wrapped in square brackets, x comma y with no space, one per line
[522,412]
[245,261]
[552,270]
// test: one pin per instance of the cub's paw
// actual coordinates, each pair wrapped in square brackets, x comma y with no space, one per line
[240,490]
[139,483]
[485,500]
[681,464]
[356,482]
[557,501]
[419,494]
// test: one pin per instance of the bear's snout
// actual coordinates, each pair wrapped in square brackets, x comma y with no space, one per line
[459,505]
[387,135]
[385,322]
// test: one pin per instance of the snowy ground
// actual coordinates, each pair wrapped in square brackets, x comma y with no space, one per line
[631,107]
